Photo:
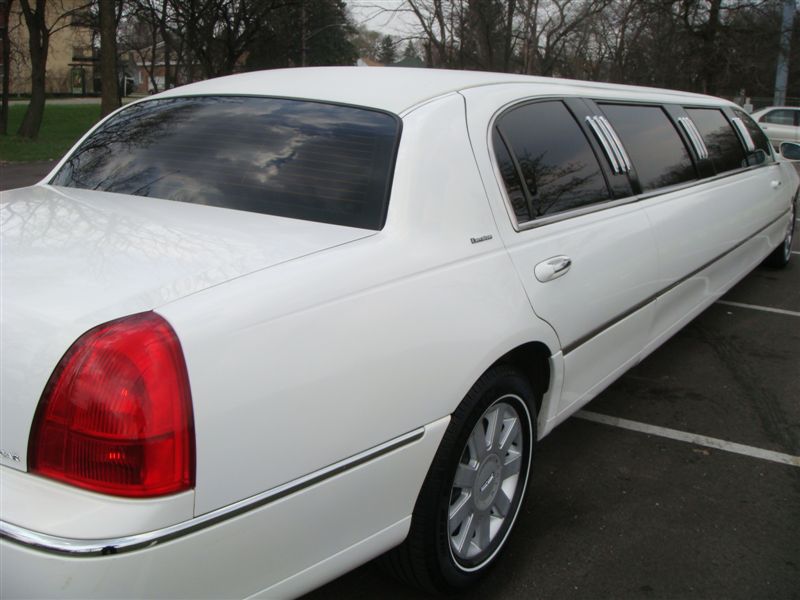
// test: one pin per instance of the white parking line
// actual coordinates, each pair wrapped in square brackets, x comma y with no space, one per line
[779,311]
[795,252]
[691,438]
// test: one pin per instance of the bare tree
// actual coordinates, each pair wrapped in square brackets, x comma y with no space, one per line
[5,60]
[220,32]
[367,42]
[43,18]
[436,19]
[110,100]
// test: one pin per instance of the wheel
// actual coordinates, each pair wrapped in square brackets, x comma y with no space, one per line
[474,488]
[781,255]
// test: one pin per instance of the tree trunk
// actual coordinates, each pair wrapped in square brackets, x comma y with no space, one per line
[108,58]
[5,55]
[165,36]
[710,49]
[38,43]
[508,35]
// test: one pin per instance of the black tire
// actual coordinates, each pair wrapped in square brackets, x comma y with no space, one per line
[781,255]
[442,553]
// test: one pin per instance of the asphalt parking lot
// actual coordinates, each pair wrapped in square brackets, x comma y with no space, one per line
[621,513]
[621,509]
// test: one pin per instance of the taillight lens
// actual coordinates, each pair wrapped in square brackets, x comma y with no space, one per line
[116,415]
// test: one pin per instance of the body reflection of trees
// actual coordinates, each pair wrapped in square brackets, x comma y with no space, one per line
[48,223]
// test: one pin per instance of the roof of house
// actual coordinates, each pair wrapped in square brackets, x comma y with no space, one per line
[394,90]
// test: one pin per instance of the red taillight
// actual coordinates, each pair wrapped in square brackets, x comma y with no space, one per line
[116,415]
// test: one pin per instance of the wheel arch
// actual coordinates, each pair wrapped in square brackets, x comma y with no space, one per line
[532,359]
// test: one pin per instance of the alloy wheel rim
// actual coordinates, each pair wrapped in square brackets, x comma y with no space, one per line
[484,493]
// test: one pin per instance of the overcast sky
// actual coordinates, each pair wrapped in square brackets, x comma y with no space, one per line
[377,15]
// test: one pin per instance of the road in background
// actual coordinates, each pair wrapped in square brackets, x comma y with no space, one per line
[15,175]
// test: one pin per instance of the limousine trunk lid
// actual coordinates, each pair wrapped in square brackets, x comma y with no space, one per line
[72,259]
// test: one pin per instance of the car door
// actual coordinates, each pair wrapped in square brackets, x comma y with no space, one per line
[583,251]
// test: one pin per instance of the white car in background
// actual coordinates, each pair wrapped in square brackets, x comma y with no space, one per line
[780,123]
[259,330]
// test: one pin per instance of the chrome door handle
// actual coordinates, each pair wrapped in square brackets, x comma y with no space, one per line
[776,183]
[552,268]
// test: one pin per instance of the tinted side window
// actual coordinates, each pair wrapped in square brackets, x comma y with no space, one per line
[763,151]
[724,147]
[653,144]
[290,158]
[779,117]
[557,163]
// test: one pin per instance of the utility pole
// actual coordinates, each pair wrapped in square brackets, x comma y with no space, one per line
[782,70]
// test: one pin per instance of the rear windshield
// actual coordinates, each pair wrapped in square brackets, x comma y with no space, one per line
[290,158]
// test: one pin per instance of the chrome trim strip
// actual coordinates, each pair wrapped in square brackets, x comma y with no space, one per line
[626,161]
[610,323]
[118,545]
[605,143]
[690,135]
[745,135]
[700,139]
[694,135]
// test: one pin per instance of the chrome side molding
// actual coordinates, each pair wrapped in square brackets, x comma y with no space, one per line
[106,546]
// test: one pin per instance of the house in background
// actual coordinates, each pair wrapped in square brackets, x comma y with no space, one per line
[147,68]
[72,62]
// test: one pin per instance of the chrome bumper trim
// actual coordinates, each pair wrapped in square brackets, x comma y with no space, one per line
[106,546]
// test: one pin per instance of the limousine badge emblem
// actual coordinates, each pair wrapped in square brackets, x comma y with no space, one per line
[478,240]
[9,455]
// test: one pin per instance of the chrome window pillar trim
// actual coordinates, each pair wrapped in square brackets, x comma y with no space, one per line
[694,135]
[626,161]
[652,298]
[744,134]
[690,134]
[117,545]
[606,143]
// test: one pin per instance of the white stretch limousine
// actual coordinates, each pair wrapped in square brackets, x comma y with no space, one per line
[261,329]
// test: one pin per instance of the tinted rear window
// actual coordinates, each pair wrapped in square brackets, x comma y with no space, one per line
[290,158]
[653,144]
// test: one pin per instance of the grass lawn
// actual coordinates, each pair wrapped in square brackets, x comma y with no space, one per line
[63,124]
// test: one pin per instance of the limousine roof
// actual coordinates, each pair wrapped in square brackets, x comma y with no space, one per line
[399,89]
